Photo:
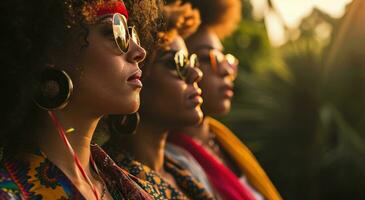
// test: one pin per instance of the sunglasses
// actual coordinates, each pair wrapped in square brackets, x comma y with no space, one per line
[123,33]
[181,62]
[215,58]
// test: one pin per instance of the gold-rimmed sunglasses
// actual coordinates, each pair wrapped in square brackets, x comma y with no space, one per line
[123,33]
[181,62]
[216,57]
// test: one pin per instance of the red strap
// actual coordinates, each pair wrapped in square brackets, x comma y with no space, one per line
[62,134]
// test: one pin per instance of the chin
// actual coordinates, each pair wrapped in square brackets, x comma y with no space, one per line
[134,106]
[133,103]
[201,116]
[123,107]
[195,117]
[222,109]
[217,108]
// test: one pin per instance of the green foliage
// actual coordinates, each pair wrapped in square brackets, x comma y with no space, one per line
[278,118]
[306,125]
[340,169]
[249,43]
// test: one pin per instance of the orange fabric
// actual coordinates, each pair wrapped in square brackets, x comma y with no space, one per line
[245,160]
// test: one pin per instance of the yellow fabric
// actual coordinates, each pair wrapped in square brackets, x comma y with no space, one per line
[245,160]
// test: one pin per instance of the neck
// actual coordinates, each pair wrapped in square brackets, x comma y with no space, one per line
[200,132]
[147,145]
[54,148]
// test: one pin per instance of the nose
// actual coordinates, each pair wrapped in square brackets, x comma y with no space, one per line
[194,75]
[226,70]
[136,53]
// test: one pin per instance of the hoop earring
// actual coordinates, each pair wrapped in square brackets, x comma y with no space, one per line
[53,90]
[123,124]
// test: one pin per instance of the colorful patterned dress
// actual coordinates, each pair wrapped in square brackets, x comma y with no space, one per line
[34,177]
[189,187]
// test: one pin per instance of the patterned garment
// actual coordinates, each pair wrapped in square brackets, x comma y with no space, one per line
[190,187]
[34,177]
[126,182]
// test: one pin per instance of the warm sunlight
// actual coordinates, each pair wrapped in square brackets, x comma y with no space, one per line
[292,12]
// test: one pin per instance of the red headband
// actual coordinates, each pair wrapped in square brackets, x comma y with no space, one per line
[102,7]
[109,7]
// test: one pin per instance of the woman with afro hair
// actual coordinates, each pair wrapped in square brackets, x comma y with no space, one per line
[230,166]
[170,99]
[65,64]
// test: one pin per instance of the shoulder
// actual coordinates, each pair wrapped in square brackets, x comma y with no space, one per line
[184,160]
[181,157]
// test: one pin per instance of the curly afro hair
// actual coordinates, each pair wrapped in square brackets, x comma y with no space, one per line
[146,15]
[221,16]
[30,29]
[180,19]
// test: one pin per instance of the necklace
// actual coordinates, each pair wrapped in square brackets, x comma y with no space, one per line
[212,144]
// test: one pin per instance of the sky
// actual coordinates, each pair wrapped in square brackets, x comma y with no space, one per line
[292,12]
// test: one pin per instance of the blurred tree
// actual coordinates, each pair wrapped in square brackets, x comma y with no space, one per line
[306,130]
[250,41]
[279,117]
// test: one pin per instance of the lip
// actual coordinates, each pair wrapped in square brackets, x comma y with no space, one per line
[135,79]
[228,91]
[195,98]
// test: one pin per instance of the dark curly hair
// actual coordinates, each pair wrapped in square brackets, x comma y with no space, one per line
[148,22]
[177,18]
[31,32]
[221,16]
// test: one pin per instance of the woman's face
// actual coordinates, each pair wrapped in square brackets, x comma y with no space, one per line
[166,98]
[216,85]
[108,82]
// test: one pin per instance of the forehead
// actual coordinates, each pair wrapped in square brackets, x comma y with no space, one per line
[204,40]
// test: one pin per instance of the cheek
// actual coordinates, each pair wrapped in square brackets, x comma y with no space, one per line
[103,82]
[214,101]
[210,87]
[163,95]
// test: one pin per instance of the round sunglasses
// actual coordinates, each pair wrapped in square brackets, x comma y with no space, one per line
[181,62]
[123,33]
[216,57]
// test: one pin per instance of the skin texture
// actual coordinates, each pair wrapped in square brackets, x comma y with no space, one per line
[166,96]
[166,105]
[216,85]
[101,88]
[103,85]
[217,89]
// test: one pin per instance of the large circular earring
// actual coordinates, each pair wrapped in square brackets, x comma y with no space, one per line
[53,90]
[123,124]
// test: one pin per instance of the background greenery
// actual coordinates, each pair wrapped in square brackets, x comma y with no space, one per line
[305,124]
